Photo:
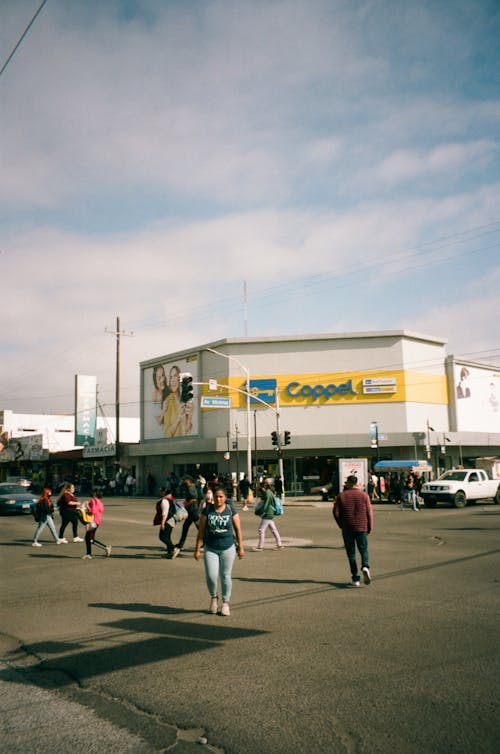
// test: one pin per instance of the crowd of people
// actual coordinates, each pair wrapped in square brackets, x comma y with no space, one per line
[71,512]
[401,488]
[209,506]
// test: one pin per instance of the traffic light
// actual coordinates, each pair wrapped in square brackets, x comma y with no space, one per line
[274,439]
[186,387]
[287,438]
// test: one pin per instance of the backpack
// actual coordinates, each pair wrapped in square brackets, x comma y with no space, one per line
[278,506]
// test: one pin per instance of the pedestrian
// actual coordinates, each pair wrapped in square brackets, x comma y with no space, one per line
[130,483]
[267,513]
[43,515]
[278,487]
[150,483]
[409,495]
[219,526]
[95,506]
[192,506]
[353,513]
[164,519]
[244,487]
[209,498]
[67,504]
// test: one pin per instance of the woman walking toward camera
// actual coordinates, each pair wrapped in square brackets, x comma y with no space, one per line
[219,526]
[43,515]
[95,507]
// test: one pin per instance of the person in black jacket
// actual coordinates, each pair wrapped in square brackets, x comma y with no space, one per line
[43,515]
[192,506]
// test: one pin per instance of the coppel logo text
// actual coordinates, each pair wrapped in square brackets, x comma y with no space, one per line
[296,390]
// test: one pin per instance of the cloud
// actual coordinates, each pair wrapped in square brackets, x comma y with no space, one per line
[406,165]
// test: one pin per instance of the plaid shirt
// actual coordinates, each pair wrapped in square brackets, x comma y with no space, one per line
[353,510]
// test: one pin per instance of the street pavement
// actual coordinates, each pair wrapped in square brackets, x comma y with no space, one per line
[119,654]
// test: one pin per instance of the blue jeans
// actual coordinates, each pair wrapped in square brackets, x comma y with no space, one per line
[219,563]
[351,539]
[49,522]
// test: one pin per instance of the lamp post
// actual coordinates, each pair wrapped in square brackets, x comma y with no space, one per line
[246,372]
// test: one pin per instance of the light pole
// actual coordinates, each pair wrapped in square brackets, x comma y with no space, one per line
[246,371]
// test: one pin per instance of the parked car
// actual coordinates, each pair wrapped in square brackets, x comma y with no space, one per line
[459,487]
[18,480]
[16,498]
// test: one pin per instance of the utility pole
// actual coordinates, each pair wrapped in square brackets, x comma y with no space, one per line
[117,333]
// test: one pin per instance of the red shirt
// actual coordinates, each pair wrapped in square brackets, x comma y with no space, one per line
[353,510]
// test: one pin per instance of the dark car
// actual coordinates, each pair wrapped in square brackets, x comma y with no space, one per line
[15,498]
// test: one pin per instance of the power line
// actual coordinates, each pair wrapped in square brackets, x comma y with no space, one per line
[25,32]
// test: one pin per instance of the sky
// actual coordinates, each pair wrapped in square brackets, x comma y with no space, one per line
[336,159]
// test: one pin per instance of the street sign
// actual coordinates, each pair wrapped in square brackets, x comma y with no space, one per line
[215,401]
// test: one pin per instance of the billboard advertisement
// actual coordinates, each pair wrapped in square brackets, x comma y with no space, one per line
[85,409]
[357,467]
[29,448]
[477,398]
[164,413]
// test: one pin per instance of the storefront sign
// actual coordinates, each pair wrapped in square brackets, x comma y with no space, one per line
[379,385]
[99,451]
[296,390]
[263,391]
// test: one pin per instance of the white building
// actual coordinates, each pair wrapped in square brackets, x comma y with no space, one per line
[330,392]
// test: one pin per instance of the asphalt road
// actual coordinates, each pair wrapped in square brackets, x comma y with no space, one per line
[119,654]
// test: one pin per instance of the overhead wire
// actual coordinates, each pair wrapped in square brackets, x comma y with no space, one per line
[95,344]
[22,37]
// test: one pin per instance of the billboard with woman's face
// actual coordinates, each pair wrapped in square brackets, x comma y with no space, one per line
[477,399]
[165,414]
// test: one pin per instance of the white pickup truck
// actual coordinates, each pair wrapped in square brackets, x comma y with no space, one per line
[459,487]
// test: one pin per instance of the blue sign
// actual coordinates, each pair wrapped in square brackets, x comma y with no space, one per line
[215,401]
[263,390]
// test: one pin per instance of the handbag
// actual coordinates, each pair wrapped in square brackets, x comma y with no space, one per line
[258,508]
[180,513]
[84,515]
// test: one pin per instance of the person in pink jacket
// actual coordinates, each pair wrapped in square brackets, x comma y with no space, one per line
[95,506]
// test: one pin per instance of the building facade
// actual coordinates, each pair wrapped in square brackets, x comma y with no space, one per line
[376,395]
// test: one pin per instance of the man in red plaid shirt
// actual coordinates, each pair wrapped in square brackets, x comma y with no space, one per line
[353,513]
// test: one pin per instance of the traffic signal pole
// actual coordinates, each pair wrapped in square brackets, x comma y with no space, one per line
[280,451]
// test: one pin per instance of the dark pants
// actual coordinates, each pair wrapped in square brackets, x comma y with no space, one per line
[351,539]
[193,516]
[68,516]
[91,540]
[165,536]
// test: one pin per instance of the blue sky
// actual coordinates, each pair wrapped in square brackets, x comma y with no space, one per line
[339,157]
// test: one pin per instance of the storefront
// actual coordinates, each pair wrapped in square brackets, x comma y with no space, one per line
[328,392]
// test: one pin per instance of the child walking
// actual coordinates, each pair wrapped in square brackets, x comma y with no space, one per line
[96,508]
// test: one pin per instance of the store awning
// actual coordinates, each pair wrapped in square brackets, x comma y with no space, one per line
[414,465]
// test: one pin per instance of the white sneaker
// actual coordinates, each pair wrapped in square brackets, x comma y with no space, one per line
[87,557]
[77,539]
[36,544]
[245,508]
[225,609]
[214,605]
[108,551]
[61,541]
[367,579]
[257,549]
[280,547]
[175,552]
[354,583]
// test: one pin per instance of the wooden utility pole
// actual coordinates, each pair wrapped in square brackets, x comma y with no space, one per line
[117,333]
